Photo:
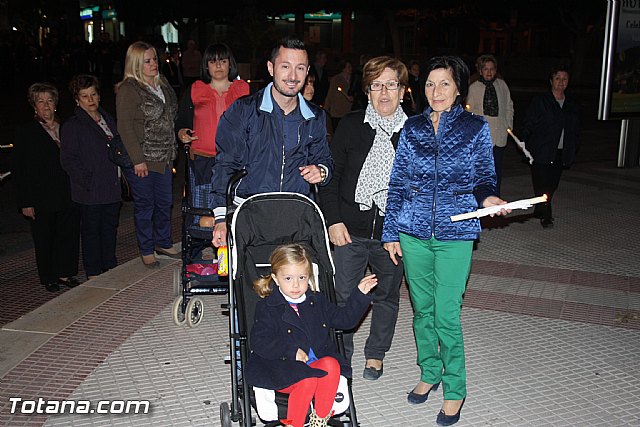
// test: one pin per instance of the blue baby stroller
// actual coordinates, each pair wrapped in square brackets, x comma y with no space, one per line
[258,225]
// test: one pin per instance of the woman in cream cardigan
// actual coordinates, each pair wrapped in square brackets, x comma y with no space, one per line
[489,96]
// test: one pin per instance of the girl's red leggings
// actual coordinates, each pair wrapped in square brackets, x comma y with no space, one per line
[322,390]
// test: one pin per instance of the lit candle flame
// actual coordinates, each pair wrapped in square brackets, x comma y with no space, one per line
[343,94]
[411,95]
[467,107]
[173,170]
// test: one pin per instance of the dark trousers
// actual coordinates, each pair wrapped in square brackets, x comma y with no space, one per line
[351,261]
[546,178]
[152,202]
[498,154]
[99,229]
[56,239]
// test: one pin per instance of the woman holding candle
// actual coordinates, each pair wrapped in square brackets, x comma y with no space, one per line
[551,134]
[414,96]
[443,167]
[489,96]
[338,102]
[354,201]
[146,106]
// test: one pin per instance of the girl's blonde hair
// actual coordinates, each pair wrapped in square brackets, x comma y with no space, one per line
[293,253]
[134,61]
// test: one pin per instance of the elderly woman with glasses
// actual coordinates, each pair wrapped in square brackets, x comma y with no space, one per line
[355,200]
[443,167]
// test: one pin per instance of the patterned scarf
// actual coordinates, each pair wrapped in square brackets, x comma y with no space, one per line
[373,181]
[490,100]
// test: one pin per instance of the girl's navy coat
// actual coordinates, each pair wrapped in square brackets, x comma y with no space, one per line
[278,332]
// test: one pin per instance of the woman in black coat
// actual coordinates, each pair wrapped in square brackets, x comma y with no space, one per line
[43,193]
[552,136]
[95,184]
[353,203]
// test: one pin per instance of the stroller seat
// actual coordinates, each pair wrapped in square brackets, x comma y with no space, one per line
[258,226]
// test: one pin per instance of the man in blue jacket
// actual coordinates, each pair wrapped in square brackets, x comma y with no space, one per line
[274,134]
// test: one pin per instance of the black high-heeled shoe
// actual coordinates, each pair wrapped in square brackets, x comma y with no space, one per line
[448,420]
[417,398]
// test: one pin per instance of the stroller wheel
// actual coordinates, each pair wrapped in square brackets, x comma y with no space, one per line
[225,415]
[194,312]
[178,314]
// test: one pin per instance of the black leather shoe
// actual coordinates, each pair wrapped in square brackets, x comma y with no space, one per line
[546,222]
[416,398]
[448,420]
[372,373]
[71,282]
[52,287]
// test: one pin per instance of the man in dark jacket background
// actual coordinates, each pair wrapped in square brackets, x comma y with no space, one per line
[274,134]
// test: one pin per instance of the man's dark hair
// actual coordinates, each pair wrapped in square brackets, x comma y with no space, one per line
[459,72]
[215,52]
[288,42]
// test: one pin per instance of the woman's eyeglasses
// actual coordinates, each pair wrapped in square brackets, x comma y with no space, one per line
[390,85]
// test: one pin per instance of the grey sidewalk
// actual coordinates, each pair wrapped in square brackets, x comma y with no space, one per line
[551,322]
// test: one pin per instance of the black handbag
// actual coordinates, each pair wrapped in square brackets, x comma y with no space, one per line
[118,153]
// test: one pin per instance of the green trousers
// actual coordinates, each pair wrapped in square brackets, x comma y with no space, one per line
[437,272]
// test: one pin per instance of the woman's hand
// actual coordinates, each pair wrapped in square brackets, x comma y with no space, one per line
[141,170]
[185,135]
[367,283]
[394,249]
[495,201]
[29,212]
[301,356]
[338,234]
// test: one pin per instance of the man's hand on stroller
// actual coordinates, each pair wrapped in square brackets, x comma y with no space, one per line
[312,174]
[219,234]
[367,283]
[301,356]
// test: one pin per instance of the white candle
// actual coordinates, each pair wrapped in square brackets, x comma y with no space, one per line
[521,145]
[520,204]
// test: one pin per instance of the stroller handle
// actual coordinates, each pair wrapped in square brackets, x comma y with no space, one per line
[234,181]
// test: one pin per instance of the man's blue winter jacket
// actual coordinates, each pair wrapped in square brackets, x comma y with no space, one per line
[250,135]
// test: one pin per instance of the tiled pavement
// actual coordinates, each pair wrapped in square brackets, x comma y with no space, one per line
[551,321]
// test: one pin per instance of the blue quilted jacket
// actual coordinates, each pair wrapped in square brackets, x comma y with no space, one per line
[436,176]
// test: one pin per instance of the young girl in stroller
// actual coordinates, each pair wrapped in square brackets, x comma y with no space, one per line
[292,349]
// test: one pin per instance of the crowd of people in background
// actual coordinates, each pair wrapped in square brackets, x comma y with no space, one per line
[393,150]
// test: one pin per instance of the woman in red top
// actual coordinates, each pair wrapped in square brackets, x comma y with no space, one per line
[199,113]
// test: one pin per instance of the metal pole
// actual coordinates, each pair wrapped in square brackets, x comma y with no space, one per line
[622,147]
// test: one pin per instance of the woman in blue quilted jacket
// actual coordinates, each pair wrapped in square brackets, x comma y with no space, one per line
[443,167]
